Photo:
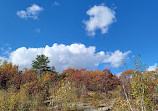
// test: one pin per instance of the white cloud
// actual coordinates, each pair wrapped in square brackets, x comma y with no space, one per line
[152,68]
[30,12]
[38,30]
[2,59]
[101,17]
[65,56]
[118,74]
[56,4]
[115,58]
[5,50]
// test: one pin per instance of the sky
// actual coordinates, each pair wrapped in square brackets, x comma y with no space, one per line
[91,34]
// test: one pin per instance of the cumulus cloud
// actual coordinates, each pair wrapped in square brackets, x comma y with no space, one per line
[101,17]
[152,68]
[115,58]
[65,56]
[30,12]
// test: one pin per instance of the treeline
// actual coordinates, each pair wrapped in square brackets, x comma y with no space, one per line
[42,88]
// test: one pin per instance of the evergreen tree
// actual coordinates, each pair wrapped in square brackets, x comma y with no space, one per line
[40,65]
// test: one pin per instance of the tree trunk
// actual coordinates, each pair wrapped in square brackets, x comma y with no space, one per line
[127,98]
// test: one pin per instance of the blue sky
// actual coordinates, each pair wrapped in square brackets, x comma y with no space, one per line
[134,27]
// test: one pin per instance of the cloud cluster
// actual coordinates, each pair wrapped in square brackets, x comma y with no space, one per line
[153,68]
[101,17]
[30,12]
[65,56]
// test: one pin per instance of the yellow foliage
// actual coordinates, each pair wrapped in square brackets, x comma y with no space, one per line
[64,96]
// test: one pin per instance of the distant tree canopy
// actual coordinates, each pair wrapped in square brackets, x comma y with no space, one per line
[93,80]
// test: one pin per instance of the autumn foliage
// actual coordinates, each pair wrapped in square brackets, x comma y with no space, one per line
[93,80]
[135,89]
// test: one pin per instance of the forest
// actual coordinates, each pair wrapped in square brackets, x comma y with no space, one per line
[41,88]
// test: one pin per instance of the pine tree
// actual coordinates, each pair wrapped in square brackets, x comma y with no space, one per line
[40,65]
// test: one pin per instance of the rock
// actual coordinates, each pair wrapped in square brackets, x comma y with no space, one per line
[90,110]
[104,109]
[101,105]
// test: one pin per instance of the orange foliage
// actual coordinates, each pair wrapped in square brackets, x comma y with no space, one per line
[9,75]
[93,80]
[28,76]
